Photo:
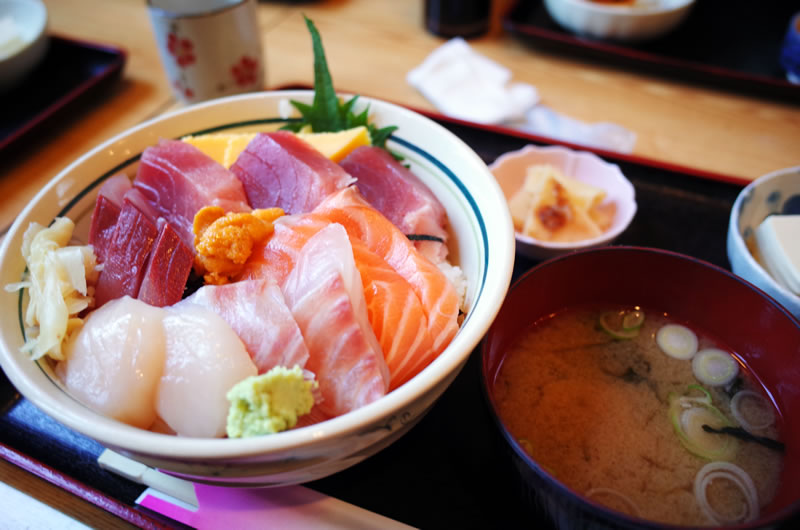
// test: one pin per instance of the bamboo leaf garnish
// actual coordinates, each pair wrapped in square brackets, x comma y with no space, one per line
[327,113]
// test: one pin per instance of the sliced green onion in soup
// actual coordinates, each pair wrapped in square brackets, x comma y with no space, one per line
[677,341]
[689,414]
[714,367]
[623,324]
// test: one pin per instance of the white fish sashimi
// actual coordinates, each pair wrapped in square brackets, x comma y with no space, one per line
[257,312]
[325,293]
[115,362]
[204,359]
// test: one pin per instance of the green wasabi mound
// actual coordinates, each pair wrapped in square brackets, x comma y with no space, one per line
[269,403]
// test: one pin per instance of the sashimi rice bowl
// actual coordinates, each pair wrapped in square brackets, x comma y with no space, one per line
[246,304]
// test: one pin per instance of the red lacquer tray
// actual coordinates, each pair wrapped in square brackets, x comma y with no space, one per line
[450,470]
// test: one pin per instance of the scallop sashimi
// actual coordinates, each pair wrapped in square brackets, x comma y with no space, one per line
[115,361]
[325,294]
[204,359]
[438,296]
[278,169]
[178,179]
[257,312]
[395,312]
[396,192]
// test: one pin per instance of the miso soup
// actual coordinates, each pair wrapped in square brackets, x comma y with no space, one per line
[593,396]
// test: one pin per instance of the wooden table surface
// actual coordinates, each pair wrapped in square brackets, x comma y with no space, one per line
[370,46]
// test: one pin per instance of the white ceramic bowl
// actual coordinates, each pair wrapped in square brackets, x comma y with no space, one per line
[776,192]
[26,20]
[509,170]
[483,243]
[638,21]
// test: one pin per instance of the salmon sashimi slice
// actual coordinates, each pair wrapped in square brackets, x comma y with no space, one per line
[395,312]
[278,169]
[326,297]
[396,192]
[257,312]
[178,179]
[439,298]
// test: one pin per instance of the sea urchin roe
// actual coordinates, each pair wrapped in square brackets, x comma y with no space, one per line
[60,282]
[224,241]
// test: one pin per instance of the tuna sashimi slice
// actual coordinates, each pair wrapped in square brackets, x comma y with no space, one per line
[257,312]
[394,311]
[126,255]
[178,179]
[438,296]
[115,188]
[325,295]
[401,196]
[104,219]
[280,170]
[167,269]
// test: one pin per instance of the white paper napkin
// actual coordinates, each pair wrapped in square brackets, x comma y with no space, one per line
[464,84]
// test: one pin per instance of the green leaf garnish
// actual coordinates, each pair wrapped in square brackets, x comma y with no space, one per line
[328,113]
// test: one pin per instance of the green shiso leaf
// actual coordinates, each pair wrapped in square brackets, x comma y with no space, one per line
[327,113]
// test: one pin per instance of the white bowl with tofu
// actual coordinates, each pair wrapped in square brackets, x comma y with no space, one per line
[764,236]
[481,244]
[563,200]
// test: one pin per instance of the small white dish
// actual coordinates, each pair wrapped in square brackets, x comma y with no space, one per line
[776,192]
[23,39]
[509,170]
[482,245]
[637,20]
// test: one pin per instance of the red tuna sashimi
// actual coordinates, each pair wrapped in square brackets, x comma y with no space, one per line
[167,269]
[401,196]
[104,219]
[106,212]
[126,255]
[280,170]
[394,311]
[438,296]
[257,312]
[115,188]
[325,295]
[178,179]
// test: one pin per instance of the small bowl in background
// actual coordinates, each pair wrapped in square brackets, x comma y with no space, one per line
[636,20]
[759,330]
[776,192]
[509,170]
[23,39]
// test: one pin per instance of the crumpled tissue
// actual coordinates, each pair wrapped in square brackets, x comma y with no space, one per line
[464,84]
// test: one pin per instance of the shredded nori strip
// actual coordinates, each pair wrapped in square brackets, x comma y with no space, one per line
[424,237]
[738,432]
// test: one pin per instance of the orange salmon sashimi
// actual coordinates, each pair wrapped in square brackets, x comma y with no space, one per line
[393,308]
[438,296]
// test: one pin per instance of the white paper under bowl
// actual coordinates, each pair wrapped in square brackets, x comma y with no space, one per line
[776,192]
[639,21]
[509,169]
[483,246]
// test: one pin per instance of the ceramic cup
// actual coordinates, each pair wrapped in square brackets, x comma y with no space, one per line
[209,48]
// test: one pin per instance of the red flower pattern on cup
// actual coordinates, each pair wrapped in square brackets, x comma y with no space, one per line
[181,49]
[245,72]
